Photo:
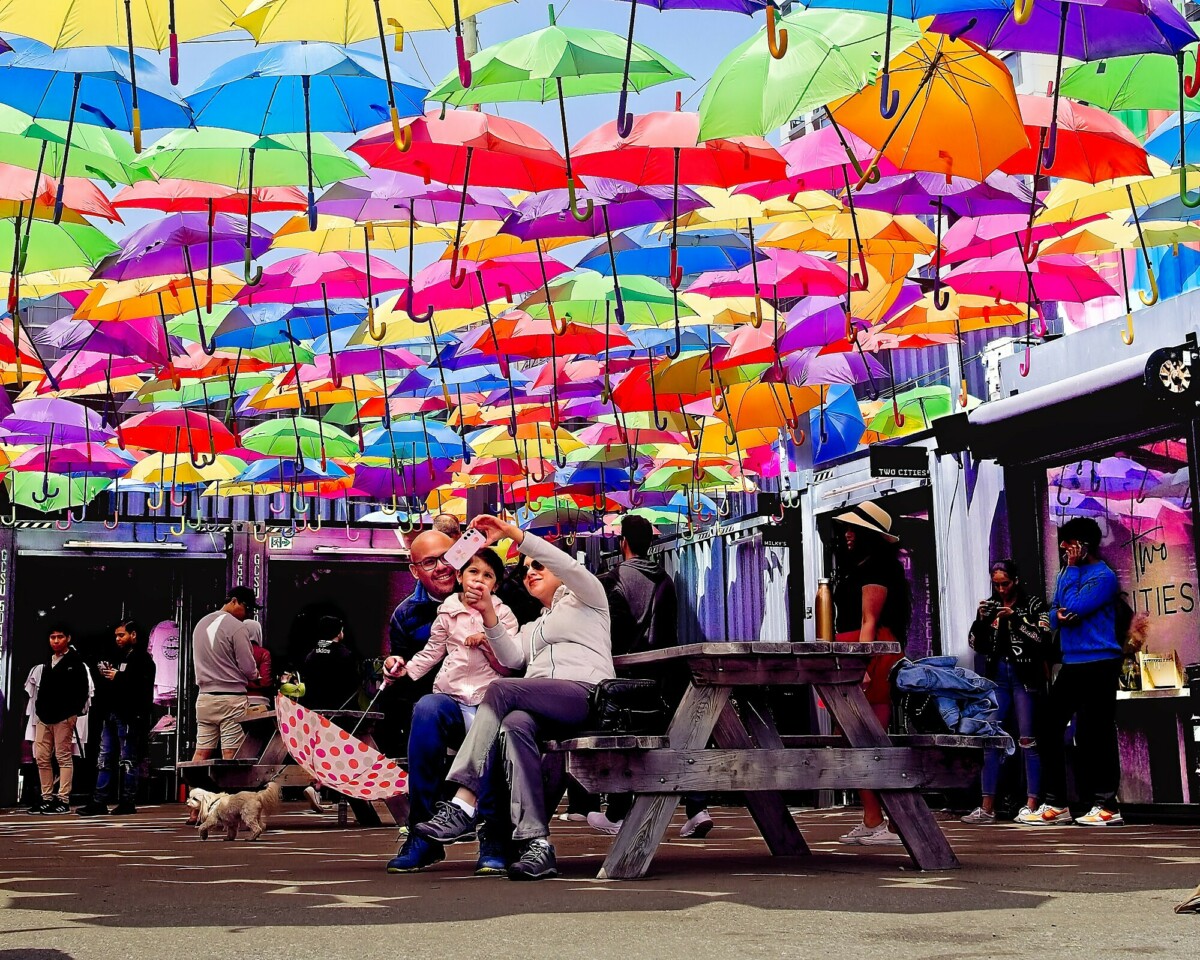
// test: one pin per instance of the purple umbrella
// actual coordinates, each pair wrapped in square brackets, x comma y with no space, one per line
[410,480]
[617,205]
[67,421]
[916,193]
[389,195]
[1080,30]
[142,338]
[810,366]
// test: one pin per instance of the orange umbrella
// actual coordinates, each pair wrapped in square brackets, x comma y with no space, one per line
[764,405]
[960,115]
[166,296]
[965,312]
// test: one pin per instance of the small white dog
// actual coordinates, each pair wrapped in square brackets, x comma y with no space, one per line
[249,808]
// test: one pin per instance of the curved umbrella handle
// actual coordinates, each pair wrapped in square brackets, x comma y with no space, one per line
[777,39]
[155,503]
[582,215]
[1184,197]
[1050,148]
[941,296]
[624,118]
[675,271]
[897,416]
[207,346]
[559,329]
[870,175]
[889,99]
[1152,299]
[1030,248]
[756,315]
[1185,86]
[457,277]
[377,337]
[116,521]
[860,281]
[255,278]
[179,530]
[1027,363]
[399,45]
[45,493]
[1191,85]
[277,510]
[1127,333]
[178,503]
[717,390]
[962,393]
[674,353]
[410,303]
[262,537]
[1022,11]
[464,65]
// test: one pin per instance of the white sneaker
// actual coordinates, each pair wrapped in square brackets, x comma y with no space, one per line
[876,835]
[697,826]
[1099,817]
[598,821]
[1025,811]
[314,799]
[979,816]
[1045,816]
[883,837]
[574,817]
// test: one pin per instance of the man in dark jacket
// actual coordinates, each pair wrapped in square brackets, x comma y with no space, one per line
[644,613]
[62,694]
[124,697]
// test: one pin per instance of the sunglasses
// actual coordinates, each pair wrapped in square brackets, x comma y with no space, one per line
[537,565]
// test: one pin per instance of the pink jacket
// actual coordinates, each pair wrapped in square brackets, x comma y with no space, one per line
[468,670]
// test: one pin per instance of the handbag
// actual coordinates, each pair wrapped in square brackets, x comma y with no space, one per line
[628,706]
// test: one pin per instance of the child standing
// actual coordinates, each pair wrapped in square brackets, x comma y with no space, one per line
[457,636]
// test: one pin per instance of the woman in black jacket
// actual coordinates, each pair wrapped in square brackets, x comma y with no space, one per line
[1012,632]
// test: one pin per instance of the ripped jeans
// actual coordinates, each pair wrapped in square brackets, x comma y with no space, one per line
[1012,697]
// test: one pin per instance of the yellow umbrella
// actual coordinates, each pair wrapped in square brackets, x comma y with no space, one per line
[101,388]
[351,21]
[1104,236]
[959,115]
[879,233]
[533,440]
[342,233]
[168,296]
[49,283]
[178,469]
[965,312]
[280,393]
[723,311]
[401,329]
[733,210]
[1076,200]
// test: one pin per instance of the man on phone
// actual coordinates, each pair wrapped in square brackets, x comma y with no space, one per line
[1085,613]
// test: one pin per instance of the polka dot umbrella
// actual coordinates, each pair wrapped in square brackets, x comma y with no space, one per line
[335,758]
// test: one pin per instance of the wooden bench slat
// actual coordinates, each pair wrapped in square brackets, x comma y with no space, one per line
[219,762]
[609,742]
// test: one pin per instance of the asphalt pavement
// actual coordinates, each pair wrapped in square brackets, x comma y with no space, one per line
[146,887]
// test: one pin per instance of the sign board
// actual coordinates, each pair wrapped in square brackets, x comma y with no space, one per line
[280,543]
[899,462]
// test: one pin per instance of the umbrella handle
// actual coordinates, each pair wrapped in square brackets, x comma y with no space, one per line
[1152,299]
[116,521]
[1191,85]
[636,497]
[674,353]
[203,460]
[179,530]
[889,99]
[583,214]
[178,503]
[965,28]
[409,303]
[377,337]
[1022,11]
[724,508]
[1030,248]
[1127,333]
[861,280]
[255,278]
[777,39]
[506,288]
[392,509]
[962,393]
[1050,148]
[45,494]
[464,64]
[559,329]
[264,536]
[457,277]
[1184,197]
[65,524]
[155,503]
[941,296]
[137,129]
[675,271]
[399,45]
[897,416]
[404,139]
[1027,363]
[277,510]
[718,397]
[624,118]
[756,315]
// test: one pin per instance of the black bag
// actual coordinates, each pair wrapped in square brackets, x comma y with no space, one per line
[628,706]
[918,713]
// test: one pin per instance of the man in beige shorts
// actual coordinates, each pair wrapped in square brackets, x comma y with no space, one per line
[223,658]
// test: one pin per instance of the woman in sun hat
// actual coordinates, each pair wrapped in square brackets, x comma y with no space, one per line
[871,603]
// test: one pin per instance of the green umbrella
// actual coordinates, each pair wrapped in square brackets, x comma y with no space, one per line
[915,410]
[50,492]
[315,440]
[161,394]
[56,247]
[96,152]
[1147,82]
[587,297]
[184,326]
[670,478]
[554,63]
[830,54]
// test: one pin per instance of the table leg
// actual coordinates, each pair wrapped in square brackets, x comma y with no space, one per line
[769,809]
[648,819]
[923,838]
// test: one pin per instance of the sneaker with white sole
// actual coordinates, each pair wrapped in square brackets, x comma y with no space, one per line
[572,816]
[314,799]
[883,837]
[1099,817]
[598,821]
[876,835]
[1045,816]
[979,817]
[1025,811]
[697,827]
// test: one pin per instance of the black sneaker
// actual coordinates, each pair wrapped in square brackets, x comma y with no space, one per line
[92,809]
[450,824]
[123,809]
[416,854]
[56,806]
[40,807]
[537,862]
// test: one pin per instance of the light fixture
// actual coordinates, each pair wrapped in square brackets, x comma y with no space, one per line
[120,545]
[358,551]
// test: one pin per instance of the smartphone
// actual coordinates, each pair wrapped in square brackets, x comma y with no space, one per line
[464,548]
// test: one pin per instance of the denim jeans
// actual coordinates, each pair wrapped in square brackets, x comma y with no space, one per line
[121,747]
[1013,698]
[437,726]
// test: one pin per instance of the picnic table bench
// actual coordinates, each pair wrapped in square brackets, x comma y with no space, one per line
[263,756]
[724,702]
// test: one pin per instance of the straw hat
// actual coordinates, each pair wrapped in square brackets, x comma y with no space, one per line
[870,516]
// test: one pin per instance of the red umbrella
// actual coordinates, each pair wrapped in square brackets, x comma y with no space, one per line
[79,194]
[192,196]
[520,335]
[178,431]
[1091,145]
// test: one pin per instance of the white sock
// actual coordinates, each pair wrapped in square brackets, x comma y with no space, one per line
[465,807]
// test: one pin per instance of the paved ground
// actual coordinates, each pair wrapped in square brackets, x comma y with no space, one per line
[146,887]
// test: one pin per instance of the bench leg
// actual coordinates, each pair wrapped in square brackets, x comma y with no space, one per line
[647,821]
[923,838]
[769,809]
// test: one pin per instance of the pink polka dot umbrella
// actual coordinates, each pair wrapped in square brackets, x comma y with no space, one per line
[335,758]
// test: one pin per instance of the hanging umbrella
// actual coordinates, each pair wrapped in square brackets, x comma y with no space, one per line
[557,62]
[918,193]
[293,437]
[343,275]
[176,431]
[66,421]
[914,411]
[390,195]
[48,493]
[648,252]
[194,196]
[784,274]
[818,161]
[830,54]
[19,185]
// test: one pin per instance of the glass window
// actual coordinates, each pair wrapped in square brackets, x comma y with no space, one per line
[1141,499]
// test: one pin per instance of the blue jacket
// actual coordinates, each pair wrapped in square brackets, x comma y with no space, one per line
[1090,592]
[411,622]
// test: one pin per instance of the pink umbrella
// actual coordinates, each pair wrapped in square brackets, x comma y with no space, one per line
[786,273]
[973,238]
[85,368]
[508,277]
[334,758]
[338,276]
[1007,277]
[94,458]
[816,162]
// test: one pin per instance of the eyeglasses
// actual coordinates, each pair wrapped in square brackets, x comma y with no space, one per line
[429,564]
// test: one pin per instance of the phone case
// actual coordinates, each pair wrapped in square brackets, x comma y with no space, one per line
[464,548]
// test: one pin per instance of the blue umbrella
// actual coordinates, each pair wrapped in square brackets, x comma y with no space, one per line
[92,85]
[421,439]
[301,87]
[645,252]
[266,324]
[287,471]
[837,426]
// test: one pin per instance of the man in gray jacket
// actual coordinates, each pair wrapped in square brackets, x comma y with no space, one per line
[223,657]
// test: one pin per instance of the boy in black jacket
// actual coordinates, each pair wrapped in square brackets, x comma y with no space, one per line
[124,697]
[62,694]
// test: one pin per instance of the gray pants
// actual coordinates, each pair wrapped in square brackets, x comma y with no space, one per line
[522,713]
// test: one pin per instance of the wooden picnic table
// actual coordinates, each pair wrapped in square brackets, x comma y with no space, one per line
[263,756]
[725,702]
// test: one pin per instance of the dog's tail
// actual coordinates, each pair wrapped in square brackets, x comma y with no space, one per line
[270,796]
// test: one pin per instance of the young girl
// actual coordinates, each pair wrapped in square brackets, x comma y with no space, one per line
[457,636]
